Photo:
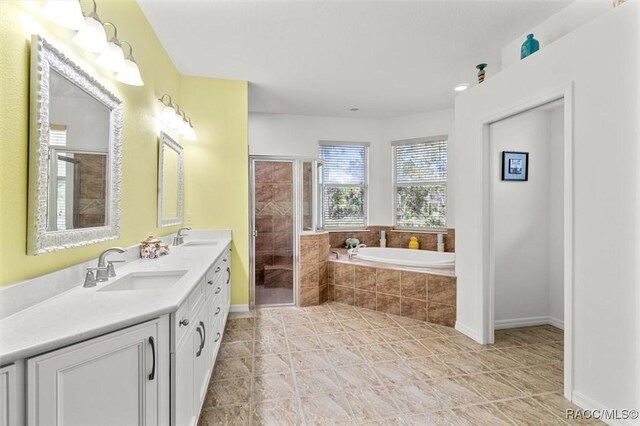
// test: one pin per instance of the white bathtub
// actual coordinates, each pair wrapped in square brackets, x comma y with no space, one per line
[401,256]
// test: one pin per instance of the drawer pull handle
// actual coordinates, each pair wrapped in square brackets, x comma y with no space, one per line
[201,340]
[153,355]
[217,338]
[218,290]
[184,321]
[218,269]
[229,275]
[218,310]
[210,282]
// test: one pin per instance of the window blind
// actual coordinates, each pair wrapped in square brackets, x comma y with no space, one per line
[420,184]
[58,137]
[344,185]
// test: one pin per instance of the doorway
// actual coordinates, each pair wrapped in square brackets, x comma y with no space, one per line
[551,303]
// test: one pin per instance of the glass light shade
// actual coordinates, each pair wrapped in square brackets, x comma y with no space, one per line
[66,13]
[130,73]
[168,115]
[184,126]
[92,36]
[112,58]
[190,134]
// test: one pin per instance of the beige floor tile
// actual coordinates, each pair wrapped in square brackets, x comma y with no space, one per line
[349,314]
[356,377]
[269,333]
[299,329]
[429,368]
[322,316]
[225,416]
[304,343]
[276,412]
[335,340]
[236,350]
[496,360]
[309,360]
[270,364]
[326,409]
[453,393]
[269,347]
[558,405]
[344,356]
[372,404]
[329,327]
[410,349]
[366,337]
[423,332]
[528,381]
[261,322]
[492,386]
[232,368]
[481,415]
[527,411]
[240,323]
[312,382]
[273,386]
[396,334]
[393,373]
[378,352]
[463,363]
[356,325]
[415,398]
[228,392]
[440,346]
[438,418]
[527,356]
[237,335]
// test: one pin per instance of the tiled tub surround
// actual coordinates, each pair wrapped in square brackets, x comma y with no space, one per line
[421,294]
[339,364]
[395,238]
[314,269]
[274,223]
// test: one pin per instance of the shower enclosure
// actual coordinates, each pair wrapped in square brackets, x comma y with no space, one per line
[286,199]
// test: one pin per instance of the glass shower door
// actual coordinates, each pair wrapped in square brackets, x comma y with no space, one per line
[273,232]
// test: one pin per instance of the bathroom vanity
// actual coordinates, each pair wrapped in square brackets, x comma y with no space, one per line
[138,349]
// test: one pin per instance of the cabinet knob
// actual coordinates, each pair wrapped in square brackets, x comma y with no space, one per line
[218,269]
[210,282]
[218,290]
[184,321]
[217,338]
[217,310]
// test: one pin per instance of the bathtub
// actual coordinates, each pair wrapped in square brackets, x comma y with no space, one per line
[406,257]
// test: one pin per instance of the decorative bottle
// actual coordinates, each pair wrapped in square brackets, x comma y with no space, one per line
[414,244]
[530,46]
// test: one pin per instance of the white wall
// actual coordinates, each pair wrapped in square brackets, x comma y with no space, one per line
[524,246]
[601,60]
[556,212]
[298,135]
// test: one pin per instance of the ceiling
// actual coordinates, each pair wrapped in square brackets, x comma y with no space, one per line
[388,58]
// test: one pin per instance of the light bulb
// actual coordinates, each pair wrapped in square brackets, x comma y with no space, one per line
[112,58]
[190,134]
[66,13]
[92,36]
[130,73]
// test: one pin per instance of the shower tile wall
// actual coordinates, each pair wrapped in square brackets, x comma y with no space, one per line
[314,269]
[274,223]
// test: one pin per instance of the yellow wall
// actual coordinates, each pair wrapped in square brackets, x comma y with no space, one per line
[221,125]
[216,175]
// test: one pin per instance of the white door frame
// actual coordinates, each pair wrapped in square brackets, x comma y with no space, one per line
[488,315]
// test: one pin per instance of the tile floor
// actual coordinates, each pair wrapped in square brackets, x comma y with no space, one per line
[337,364]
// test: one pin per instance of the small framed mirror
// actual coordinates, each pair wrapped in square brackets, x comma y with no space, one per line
[75,155]
[170,181]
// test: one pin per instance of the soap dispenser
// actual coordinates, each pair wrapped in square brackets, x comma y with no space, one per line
[414,244]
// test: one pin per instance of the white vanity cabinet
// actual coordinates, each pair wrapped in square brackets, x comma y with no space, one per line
[197,329]
[117,379]
[10,388]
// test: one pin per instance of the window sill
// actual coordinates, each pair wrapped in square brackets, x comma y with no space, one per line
[421,231]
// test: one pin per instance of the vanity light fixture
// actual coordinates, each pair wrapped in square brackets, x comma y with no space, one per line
[461,87]
[129,73]
[92,35]
[176,119]
[112,59]
[67,14]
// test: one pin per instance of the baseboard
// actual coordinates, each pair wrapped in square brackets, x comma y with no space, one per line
[239,308]
[467,331]
[528,322]
[587,403]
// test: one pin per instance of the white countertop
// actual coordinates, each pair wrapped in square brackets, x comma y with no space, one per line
[81,313]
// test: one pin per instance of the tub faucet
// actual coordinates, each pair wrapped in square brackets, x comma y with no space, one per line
[103,271]
[354,251]
[337,254]
[179,238]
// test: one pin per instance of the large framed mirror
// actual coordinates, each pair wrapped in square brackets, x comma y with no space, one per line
[170,181]
[75,155]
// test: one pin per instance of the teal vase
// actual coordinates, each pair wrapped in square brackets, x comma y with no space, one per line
[530,45]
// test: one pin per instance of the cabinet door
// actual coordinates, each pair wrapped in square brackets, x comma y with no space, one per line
[201,361]
[110,380]
[183,377]
[8,395]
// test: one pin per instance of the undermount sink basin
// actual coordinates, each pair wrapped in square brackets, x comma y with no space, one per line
[145,281]
[199,243]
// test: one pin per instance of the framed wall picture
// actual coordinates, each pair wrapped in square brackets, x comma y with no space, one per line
[515,166]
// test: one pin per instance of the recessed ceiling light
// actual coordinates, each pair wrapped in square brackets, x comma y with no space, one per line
[354,109]
[461,87]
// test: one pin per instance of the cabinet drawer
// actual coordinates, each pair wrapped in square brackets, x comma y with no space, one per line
[196,299]
[213,278]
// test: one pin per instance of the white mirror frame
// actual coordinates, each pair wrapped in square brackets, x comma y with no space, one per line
[45,58]
[166,140]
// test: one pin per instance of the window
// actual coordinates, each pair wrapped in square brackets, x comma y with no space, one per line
[344,189]
[58,138]
[420,183]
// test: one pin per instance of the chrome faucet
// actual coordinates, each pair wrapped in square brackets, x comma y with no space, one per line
[179,238]
[354,251]
[103,272]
